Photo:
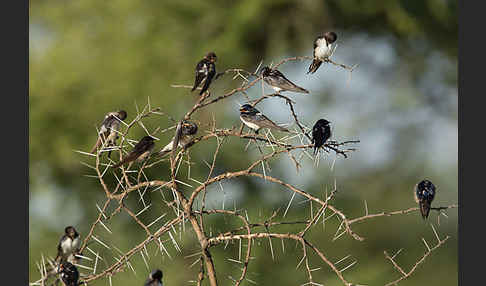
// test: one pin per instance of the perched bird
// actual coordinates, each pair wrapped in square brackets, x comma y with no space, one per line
[155,278]
[205,71]
[322,50]
[140,152]
[189,129]
[109,128]
[254,119]
[424,193]
[320,133]
[68,245]
[279,82]
[69,274]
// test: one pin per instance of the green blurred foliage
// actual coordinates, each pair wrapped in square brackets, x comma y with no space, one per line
[87,58]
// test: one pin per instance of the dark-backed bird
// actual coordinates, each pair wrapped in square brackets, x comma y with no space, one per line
[424,193]
[320,133]
[68,245]
[69,274]
[139,152]
[155,278]
[189,129]
[254,119]
[279,82]
[322,50]
[109,129]
[205,71]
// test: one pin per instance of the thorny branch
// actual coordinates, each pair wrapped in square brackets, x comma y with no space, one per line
[405,275]
[185,209]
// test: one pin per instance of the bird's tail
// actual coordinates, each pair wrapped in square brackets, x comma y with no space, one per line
[424,209]
[205,87]
[123,161]
[196,83]
[283,129]
[203,90]
[97,144]
[118,164]
[166,150]
[301,89]
[162,153]
[314,66]
[58,258]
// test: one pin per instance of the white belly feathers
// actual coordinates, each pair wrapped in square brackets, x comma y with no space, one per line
[323,51]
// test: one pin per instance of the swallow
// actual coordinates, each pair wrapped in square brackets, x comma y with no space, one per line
[109,129]
[155,278]
[68,245]
[205,71]
[320,133]
[279,82]
[255,120]
[322,50]
[69,274]
[424,193]
[140,152]
[189,129]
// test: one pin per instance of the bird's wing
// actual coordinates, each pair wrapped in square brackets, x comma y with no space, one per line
[278,79]
[98,143]
[107,120]
[315,133]
[130,157]
[167,148]
[263,121]
[316,63]
[137,150]
[110,122]
[59,247]
[201,73]
[314,49]
[211,71]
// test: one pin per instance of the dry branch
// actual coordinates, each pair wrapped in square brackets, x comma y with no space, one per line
[181,201]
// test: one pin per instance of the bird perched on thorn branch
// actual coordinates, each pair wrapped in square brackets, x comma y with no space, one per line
[205,71]
[68,245]
[321,132]
[69,274]
[188,130]
[322,50]
[279,82]
[109,129]
[255,120]
[139,152]
[424,193]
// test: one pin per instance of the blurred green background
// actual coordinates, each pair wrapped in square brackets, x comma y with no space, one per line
[87,58]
